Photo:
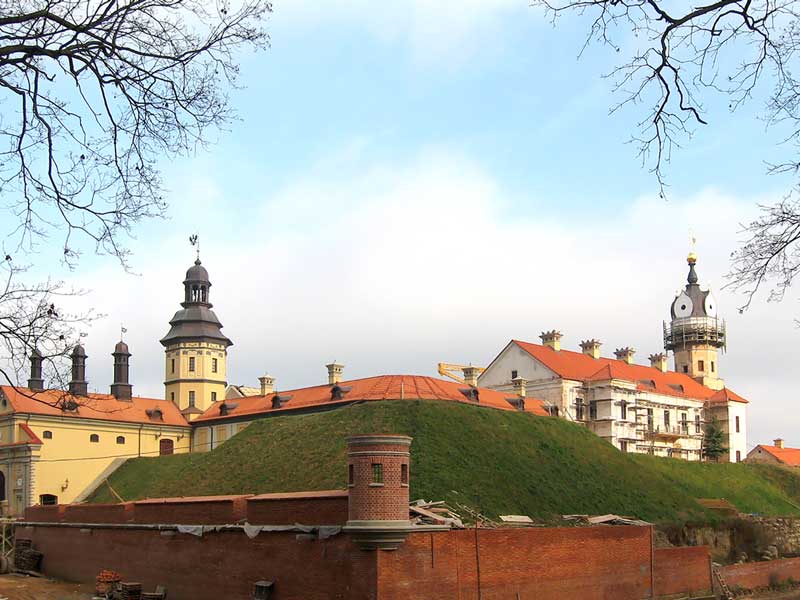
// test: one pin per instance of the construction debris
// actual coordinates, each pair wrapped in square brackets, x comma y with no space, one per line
[516,519]
[604,520]
[434,513]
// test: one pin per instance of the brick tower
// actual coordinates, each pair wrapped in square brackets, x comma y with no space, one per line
[378,476]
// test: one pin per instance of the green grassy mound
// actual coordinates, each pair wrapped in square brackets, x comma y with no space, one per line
[501,462]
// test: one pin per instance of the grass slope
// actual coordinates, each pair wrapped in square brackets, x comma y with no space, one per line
[502,462]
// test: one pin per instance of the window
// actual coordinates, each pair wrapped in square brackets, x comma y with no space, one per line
[685,368]
[120,439]
[377,473]
[165,447]
[191,398]
[579,409]
[350,475]
[697,428]
[649,419]
[666,419]
[737,425]
[213,396]
[701,365]
[404,474]
[94,438]
[172,396]
[213,365]
[514,374]
[48,500]
[593,409]
[623,445]
[684,423]
[191,364]
[172,362]
[48,435]
[713,366]
[623,411]
[738,456]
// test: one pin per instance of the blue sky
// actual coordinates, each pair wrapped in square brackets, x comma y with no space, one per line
[421,184]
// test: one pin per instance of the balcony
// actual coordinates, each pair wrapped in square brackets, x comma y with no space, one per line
[692,330]
[666,432]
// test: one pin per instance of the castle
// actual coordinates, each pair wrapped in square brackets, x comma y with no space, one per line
[56,447]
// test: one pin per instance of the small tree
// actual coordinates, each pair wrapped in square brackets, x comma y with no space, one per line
[714,441]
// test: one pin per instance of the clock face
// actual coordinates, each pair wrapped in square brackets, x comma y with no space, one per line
[682,307]
[710,305]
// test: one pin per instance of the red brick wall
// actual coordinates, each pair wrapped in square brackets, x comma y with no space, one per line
[307,511]
[218,511]
[218,565]
[681,570]
[761,574]
[540,563]
[97,513]
[386,501]
[45,514]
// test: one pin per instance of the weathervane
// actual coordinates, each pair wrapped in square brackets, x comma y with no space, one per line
[194,240]
[122,332]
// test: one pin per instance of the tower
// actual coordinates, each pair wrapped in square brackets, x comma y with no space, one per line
[121,389]
[695,333]
[196,349]
[78,385]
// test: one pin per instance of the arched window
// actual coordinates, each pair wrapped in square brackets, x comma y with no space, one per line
[94,438]
[48,500]
[120,439]
[48,435]
[203,294]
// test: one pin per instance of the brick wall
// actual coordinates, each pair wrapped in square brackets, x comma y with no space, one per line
[761,574]
[530,563]
[681,570]
[97,513]
[204,510]
[314,508]
[217,565]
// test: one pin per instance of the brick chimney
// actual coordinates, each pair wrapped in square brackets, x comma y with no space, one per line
[659,361]
[591,347]
[625,354]
[552,339]
[335,371]
[267,385]
[519,386]
[471,375]
[778,443]
[378,477]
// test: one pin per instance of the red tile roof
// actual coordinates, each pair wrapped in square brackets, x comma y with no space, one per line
[582,367]
[381,387]
[788,456]
[104,407]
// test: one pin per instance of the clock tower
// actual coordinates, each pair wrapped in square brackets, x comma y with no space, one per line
[696,333]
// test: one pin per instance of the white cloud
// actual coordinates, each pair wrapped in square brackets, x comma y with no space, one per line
[402,266]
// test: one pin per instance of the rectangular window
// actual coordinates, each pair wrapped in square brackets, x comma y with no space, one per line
[191,398]
[738,456]
[713,366]
[172,396]
[514,374]
[737,424]
[697,428]
[404,474]
[623,411]
[213,365]
[649,419]
[666,419]
[701,365]
[377,473]
[350,475]
[684,423]
[593,409]
[623,445]
[579,409]
[191,363]
[213,396]
[685,368]
[172,362]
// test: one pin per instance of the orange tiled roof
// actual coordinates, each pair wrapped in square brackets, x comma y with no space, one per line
[788,456]
[381,387]
[582,367]
[104,407]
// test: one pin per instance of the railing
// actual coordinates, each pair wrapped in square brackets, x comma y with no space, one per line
[669,430]
[694,329]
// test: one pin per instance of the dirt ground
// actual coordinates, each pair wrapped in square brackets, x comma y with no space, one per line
[17,587]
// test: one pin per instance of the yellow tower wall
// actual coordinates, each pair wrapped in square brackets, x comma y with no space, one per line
[203,381]
[688,360]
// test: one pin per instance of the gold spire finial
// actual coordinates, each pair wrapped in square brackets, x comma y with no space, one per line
[692,258]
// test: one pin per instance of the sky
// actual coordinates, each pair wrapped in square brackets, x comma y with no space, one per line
[426,182]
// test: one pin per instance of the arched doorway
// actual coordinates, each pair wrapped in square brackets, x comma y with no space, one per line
[165,447]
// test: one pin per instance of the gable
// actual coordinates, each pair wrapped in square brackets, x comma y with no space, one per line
[514,358]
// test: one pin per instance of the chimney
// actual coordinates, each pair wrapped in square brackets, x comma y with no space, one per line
[78,385]
[335,373]
[471,375]
[267,385]
[625,354]
[121,389]
[519,386]
[778,443]
[659,361]
[36,383]
[591,348]
[552,339]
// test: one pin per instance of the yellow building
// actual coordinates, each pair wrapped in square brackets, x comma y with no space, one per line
[196,349]
[56,446]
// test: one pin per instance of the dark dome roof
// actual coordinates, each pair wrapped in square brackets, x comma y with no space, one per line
[78,351]
[121,348]
[197,272]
